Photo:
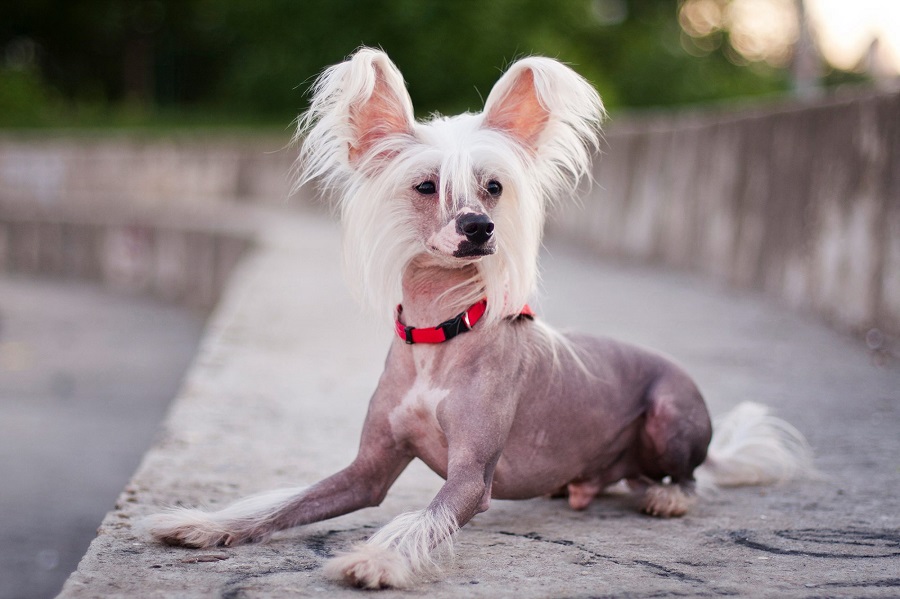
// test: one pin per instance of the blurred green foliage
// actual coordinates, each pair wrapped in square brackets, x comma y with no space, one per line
[250,61]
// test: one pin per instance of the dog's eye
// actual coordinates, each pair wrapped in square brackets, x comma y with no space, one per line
[426,188]
[494,188]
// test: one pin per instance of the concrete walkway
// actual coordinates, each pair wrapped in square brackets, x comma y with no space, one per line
[277,395]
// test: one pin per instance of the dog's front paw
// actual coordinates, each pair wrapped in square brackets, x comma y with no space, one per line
[371,567]
[190,528]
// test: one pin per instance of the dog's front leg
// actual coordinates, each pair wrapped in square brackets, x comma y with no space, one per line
[407,546]
[364,483]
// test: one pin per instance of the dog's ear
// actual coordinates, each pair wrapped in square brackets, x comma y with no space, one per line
[538,97]
[514,107]
[382,106]
[360,111]
[554,114]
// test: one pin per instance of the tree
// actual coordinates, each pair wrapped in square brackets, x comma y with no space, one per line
[254,59]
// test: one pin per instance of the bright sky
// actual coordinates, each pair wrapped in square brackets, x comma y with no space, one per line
[767,29]
[846,29]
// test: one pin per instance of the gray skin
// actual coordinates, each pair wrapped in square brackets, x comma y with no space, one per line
[512,425]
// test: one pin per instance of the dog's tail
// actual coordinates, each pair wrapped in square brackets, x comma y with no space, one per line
[751,447]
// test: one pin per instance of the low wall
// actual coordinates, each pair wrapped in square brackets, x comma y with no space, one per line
[157,216]
[174,173]
[800,202]
[185,264]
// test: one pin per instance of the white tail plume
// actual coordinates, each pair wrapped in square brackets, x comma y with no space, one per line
[752,447]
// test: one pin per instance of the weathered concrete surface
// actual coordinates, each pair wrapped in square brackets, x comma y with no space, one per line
[85,378]
[278,392]
[800,201]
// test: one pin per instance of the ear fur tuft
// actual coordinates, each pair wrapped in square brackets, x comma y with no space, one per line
[358,108]
[554,112]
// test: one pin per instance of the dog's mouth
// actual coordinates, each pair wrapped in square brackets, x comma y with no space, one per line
[463,254]
[468,250]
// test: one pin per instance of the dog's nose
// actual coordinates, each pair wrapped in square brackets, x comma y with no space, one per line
[477,228]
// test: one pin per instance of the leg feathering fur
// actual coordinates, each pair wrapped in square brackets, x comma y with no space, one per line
[247,520]
[398,553]
[666,500]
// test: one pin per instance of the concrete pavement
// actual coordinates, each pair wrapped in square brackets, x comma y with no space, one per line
[277,395]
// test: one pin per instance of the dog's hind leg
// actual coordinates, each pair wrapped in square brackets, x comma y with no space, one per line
[673,442]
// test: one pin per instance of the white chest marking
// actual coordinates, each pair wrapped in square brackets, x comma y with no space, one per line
[416,414]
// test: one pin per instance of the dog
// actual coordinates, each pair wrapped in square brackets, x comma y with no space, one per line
[446,216]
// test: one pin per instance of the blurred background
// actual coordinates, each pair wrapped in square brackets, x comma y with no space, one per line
[134,132]
[240,62]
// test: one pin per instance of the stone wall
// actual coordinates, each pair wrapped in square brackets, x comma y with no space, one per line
[800,202]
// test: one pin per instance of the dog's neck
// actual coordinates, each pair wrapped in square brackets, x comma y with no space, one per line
[432,292]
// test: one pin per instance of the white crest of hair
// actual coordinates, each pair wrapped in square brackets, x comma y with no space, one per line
[242,520]
[751,447]
[398,554]
[537,166]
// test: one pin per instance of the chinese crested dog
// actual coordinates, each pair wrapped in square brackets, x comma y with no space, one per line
[445,217]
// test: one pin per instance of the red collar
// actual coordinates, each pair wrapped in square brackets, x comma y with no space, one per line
[461,323]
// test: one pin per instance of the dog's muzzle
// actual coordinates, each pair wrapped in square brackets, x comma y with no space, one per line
[478,230]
